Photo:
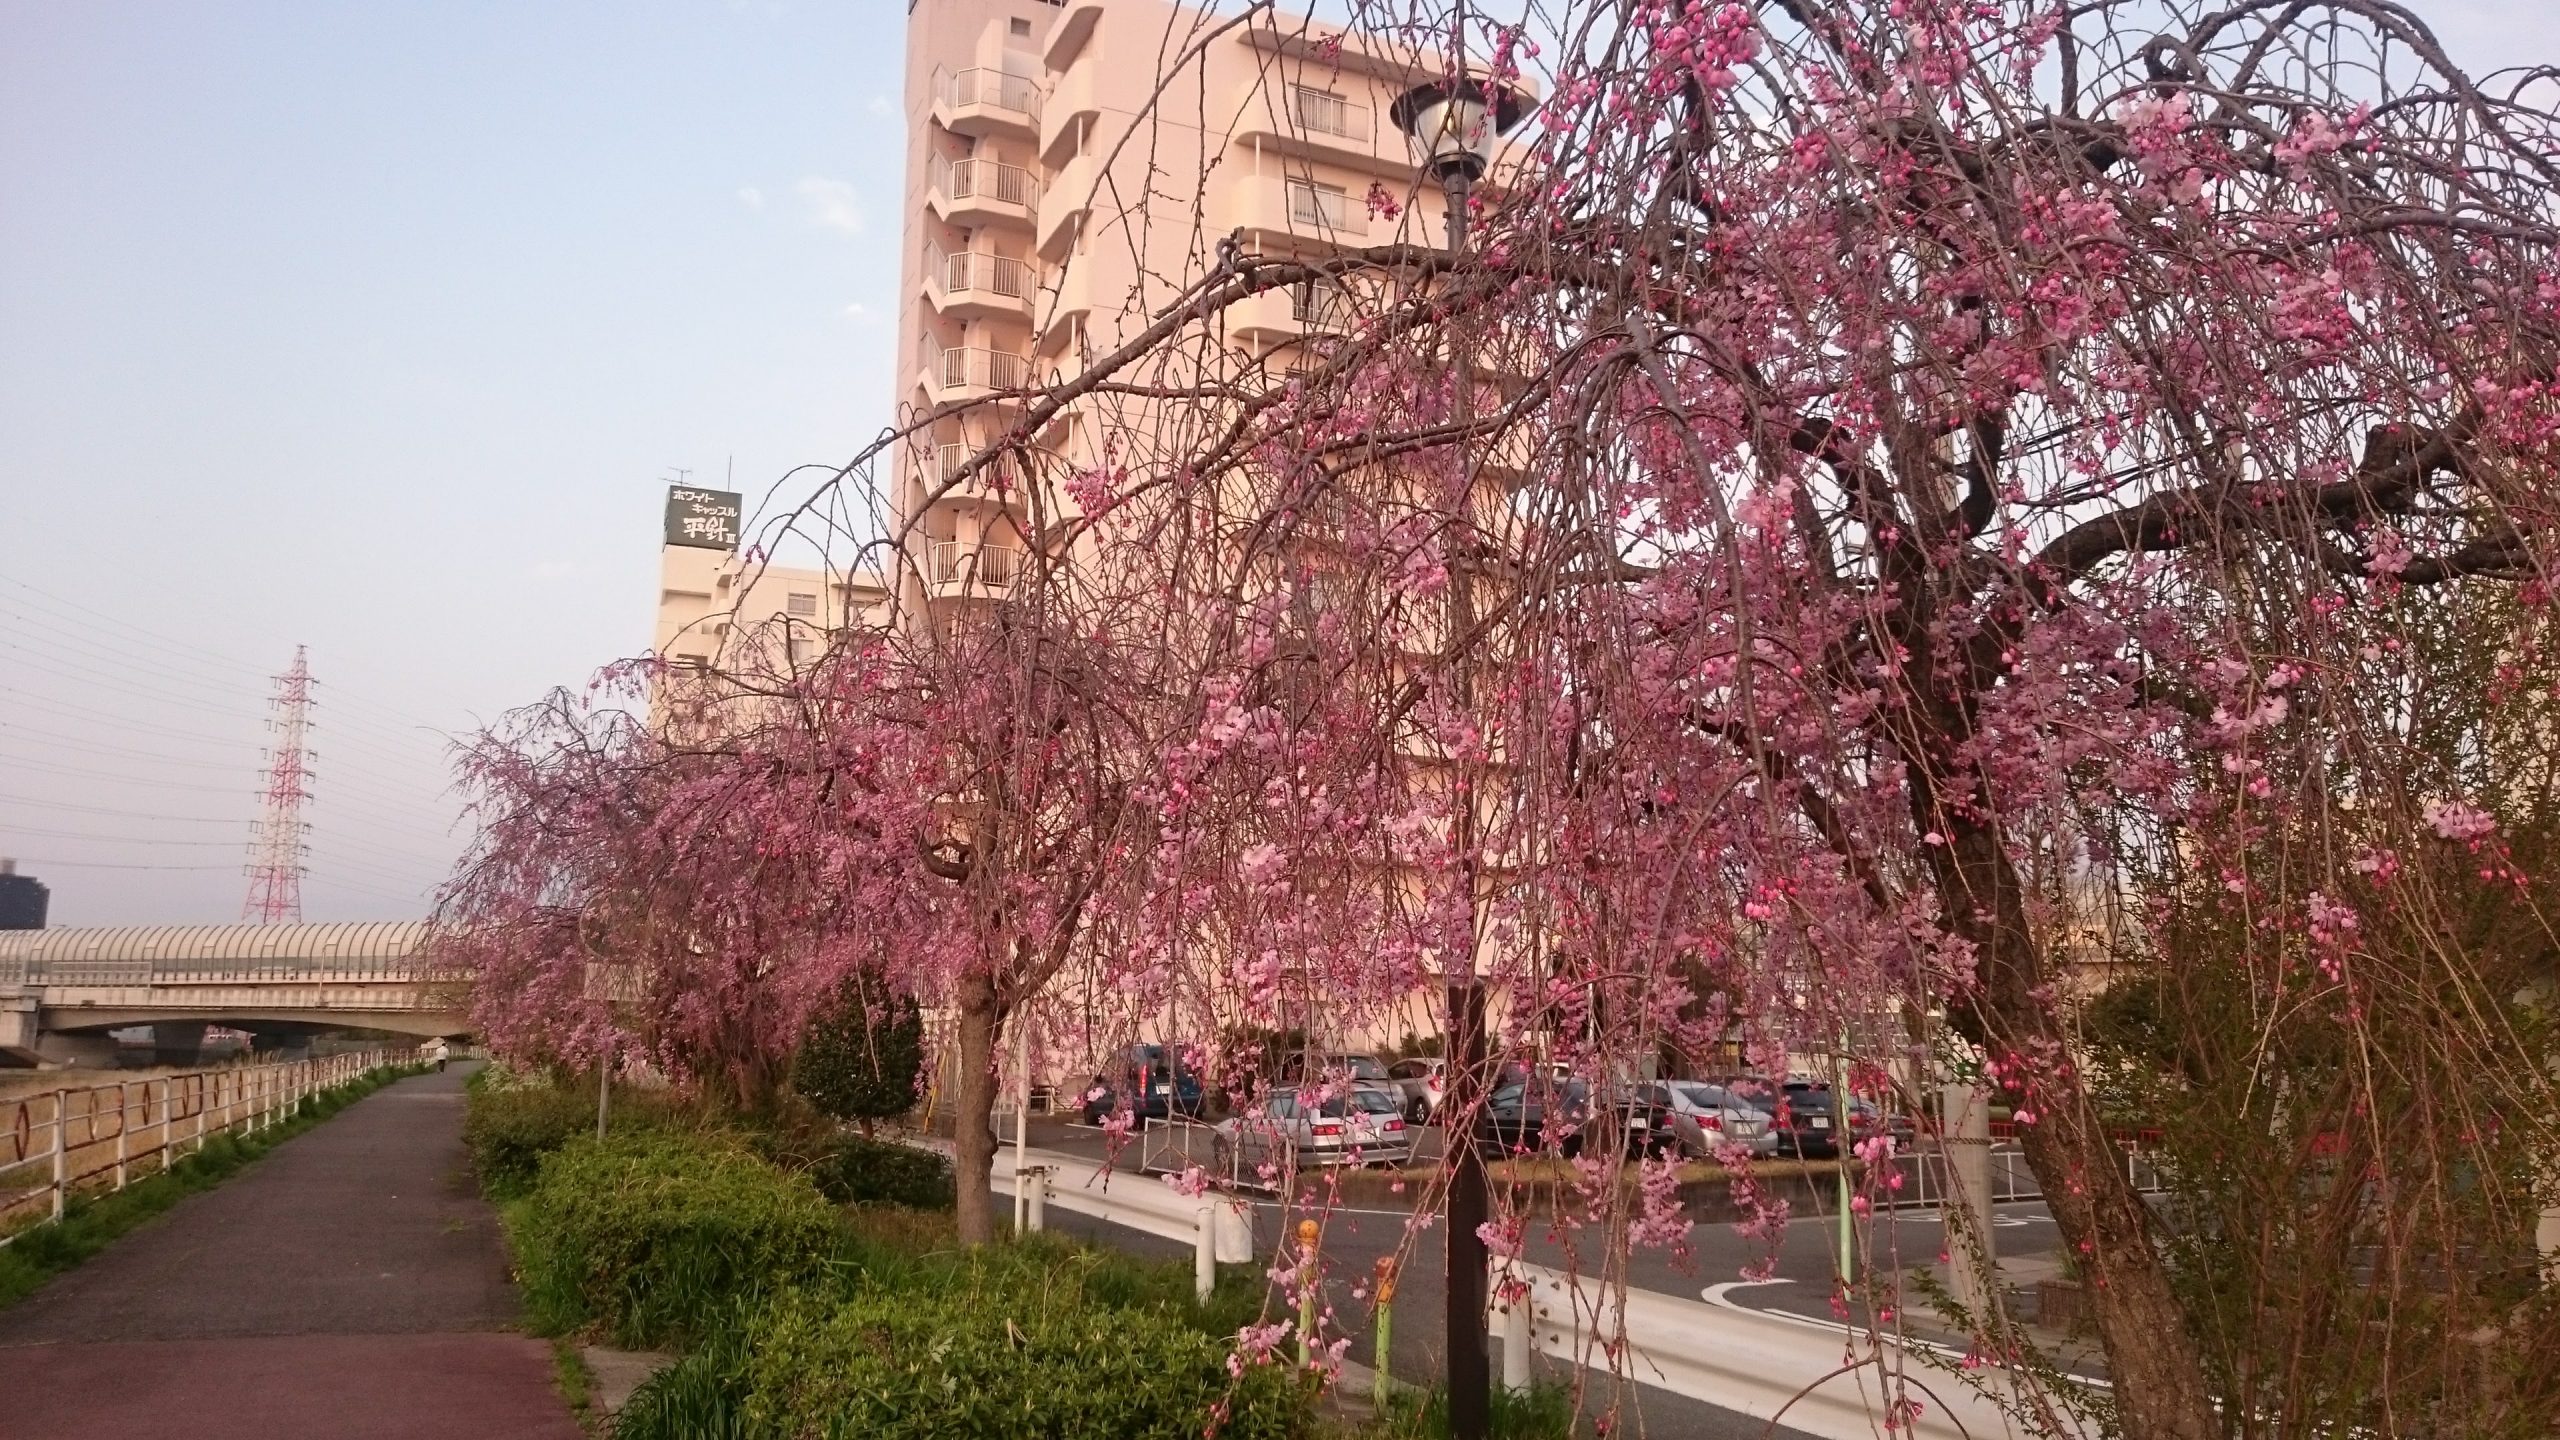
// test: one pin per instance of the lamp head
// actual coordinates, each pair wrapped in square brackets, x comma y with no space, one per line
[1453,127]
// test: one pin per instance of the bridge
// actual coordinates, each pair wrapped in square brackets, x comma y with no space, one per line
[62,991]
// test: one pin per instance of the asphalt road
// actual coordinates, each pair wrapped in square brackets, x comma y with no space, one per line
[350,1285]
[1354,1238]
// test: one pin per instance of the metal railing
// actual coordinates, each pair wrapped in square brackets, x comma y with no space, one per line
[976,179]
[1320,307]
[987,563]
[966,367]
[994,89]
[1926,1182]
[1005,472]
[56,1143]
[1321,208]
[198,972]
[1324,113]
[978,273]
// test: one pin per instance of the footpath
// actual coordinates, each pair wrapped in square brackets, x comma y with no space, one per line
[349,1286]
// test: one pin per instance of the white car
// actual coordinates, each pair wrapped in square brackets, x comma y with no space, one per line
[1364,1127]
[1707,1117]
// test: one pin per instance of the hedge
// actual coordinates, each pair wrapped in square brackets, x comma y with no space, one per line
[652,1236]
[999,1361]
[509,1127]
[856,1171]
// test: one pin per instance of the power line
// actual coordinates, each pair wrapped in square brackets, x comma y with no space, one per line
[111,839]
[53,864]
[119,776]
[124,814]
[75,612]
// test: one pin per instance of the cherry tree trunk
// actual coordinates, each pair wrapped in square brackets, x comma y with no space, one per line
[2158,1371]
[973,1111]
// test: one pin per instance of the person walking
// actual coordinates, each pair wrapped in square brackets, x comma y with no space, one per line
[439,1052]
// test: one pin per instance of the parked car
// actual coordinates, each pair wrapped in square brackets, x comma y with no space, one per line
[1518,1114]
[1867,1118]
[1363,1127]
[1152,1079]
[1799,1113]
[1353,1066]
[1423,1083]
[1706,1117]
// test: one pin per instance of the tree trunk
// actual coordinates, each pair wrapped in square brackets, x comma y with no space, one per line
[973,1135]
[2158,1371]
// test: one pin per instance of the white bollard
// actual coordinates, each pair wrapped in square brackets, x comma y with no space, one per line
[1204,1255]
[1515,1346]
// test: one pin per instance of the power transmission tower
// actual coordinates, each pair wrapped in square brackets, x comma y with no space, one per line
[276,842]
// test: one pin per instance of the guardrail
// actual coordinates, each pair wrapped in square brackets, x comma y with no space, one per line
[105,1136]
[1768,1367]
[1926,1183]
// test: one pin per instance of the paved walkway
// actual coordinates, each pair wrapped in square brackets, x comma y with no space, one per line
[349,1286]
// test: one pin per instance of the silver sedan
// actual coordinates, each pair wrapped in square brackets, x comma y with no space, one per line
[1364,1127]
[1706,1118]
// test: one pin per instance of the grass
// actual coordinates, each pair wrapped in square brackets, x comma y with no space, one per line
[569,1373]
[92,1222]
[1544,1413]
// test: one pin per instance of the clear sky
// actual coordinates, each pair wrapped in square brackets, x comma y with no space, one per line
[379,327]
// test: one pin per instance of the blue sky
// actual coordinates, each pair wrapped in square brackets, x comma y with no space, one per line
[379,327]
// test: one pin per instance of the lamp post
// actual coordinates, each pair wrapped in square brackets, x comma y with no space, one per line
[1453,128]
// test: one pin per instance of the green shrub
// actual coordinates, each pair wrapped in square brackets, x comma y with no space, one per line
[1000,1359]
[652,1235]
[510,1130]
[862,1053]
[509,1127]
[879,1172]
[700,1397]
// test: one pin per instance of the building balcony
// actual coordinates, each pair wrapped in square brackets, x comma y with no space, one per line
[958,568]
[1069,32]
[987,102]
[1294,313]
[976,192]
[973,285]
[1062,308]
[1296,215]
[1001,480]
[1316,124]
[1068,114]
[966,372]
[1063,205]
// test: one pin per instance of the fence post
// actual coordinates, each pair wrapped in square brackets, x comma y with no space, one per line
[199,1113]
[1204,1255]
[1039,1217]
[61,1148]
[124,1123]
[1515,1337]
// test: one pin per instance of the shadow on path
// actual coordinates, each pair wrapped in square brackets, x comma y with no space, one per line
[350,1284]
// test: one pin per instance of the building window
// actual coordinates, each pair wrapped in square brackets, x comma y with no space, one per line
[1021,29]
[800,604]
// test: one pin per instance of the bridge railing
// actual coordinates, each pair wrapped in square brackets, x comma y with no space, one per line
[353,970]
[58,1143]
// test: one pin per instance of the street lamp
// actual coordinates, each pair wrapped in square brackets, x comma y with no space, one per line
[1454,128]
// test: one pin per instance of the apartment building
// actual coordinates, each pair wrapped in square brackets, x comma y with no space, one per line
[1070,165]
[714,597]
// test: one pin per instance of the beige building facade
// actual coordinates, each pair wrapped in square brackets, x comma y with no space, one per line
[1070,167]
